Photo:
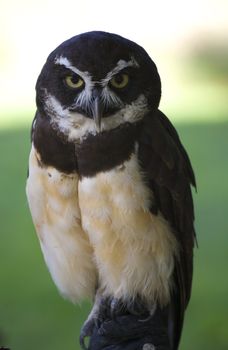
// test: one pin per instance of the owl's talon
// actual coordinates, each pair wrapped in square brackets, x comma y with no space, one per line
[138,308]
[93,321]
[87,331]
[82,341]
[150,315]
[116,307]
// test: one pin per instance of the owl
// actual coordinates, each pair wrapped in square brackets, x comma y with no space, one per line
[109,184]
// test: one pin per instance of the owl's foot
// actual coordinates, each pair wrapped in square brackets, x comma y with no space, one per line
[136,307]
[98,314]
[110,311]
[91,323]
[127,331]
[116,307]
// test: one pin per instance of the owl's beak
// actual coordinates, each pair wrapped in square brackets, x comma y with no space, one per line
[97,111]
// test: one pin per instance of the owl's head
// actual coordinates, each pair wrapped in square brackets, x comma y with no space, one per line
[97,81]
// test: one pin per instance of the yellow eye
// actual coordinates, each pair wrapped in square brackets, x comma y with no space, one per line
[119,81]
[74,81]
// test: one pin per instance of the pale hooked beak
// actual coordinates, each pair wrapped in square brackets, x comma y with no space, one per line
[97,110]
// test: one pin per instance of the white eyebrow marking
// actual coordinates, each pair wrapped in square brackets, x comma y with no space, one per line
[63,61]
[121,64]
[108,96]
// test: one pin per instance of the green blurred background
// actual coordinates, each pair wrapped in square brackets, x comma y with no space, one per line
[188,42]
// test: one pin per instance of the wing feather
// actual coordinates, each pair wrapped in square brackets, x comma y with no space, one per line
[170,175]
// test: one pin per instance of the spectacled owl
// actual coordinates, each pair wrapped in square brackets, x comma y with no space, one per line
[109,185]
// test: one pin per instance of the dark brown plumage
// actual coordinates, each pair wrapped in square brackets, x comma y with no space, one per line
[169,175]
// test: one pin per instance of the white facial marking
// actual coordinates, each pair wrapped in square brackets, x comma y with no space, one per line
[63,61]
[75,125]
[108,96]
[84,98]
[128,114]
[121,64]
[54,107]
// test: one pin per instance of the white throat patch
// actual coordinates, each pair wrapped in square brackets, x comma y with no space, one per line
[77,127]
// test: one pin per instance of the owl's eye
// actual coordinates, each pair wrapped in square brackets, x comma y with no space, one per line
[74,81]
[119,81]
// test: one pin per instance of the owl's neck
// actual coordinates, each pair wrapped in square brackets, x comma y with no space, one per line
[53,149]
[94,154]
[106,150]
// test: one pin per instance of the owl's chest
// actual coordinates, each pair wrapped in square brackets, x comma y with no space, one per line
[133,248]
[115,200]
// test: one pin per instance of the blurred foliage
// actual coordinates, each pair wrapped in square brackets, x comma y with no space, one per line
[210,60]
[34,316]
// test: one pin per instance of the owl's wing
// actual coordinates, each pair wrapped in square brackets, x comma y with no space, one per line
[169,175]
